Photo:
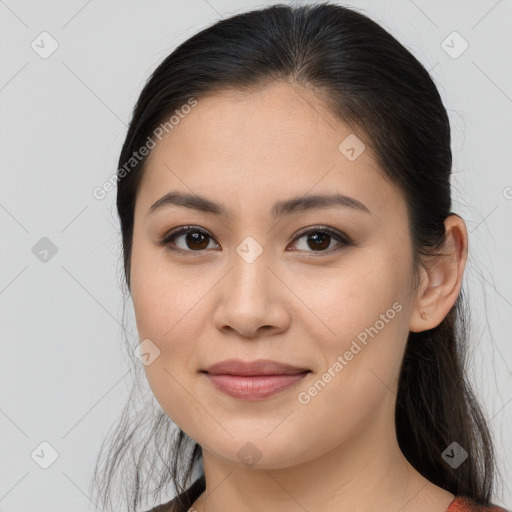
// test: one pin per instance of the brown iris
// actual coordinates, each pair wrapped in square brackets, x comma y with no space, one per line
[321,241]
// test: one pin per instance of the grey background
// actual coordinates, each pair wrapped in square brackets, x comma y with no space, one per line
[64,370]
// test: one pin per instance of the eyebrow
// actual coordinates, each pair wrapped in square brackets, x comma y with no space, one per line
[280,209]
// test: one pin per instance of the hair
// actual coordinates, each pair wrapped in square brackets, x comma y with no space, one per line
[375,85]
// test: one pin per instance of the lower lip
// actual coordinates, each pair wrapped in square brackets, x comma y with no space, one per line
[254,387]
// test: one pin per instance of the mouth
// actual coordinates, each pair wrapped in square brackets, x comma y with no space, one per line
[253,368]
[253,380]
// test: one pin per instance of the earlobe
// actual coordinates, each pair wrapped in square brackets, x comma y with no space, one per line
[441,278]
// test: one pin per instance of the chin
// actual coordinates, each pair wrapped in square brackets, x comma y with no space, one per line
[259,452]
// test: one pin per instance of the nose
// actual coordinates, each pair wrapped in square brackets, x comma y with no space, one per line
[251,300]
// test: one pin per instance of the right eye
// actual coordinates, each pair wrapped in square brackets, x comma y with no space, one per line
[194,239]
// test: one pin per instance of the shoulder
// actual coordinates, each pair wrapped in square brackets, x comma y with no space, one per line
[462,504]
[184,500]
[171,506]
[164,507]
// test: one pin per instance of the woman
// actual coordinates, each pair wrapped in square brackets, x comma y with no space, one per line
[296,269]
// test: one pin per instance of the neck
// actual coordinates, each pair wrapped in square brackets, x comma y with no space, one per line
[357,475]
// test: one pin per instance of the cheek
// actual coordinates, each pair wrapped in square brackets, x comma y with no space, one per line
[161,294]
[353,296]
[358,383]
[364,325]
[166,310]
[165,316]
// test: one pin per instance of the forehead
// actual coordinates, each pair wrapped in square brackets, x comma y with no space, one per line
[263,146]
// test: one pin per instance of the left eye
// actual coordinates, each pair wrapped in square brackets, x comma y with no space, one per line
[197,240]
[320,239]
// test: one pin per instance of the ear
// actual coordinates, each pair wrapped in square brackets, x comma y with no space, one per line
[441,278]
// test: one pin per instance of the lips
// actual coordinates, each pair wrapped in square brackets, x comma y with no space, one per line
[254,380]
[252,368]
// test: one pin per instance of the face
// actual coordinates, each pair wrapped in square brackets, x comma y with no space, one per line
[323,288]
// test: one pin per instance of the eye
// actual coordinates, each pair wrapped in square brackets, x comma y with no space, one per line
[320,238]
[194,239]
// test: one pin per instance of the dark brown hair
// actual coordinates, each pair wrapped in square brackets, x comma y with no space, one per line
[374,84]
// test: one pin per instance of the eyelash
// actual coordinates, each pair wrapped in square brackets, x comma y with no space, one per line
[183,230]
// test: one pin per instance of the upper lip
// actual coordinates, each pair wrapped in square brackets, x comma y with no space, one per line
[257,367]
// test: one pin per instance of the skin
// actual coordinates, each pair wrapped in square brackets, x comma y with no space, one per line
[339,451]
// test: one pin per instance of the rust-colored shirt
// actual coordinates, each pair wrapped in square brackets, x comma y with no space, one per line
[183,502]
[460,504]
